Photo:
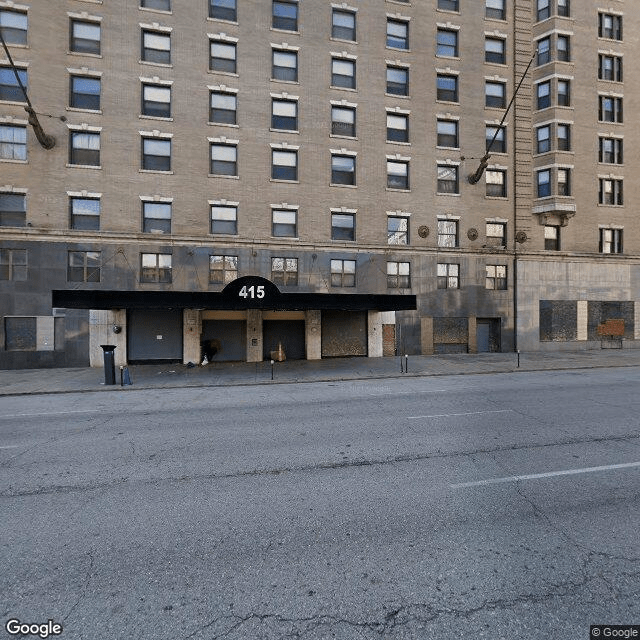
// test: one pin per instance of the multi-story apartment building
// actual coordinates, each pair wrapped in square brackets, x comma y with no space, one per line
[237,174]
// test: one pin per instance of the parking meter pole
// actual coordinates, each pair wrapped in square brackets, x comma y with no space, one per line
[109,363]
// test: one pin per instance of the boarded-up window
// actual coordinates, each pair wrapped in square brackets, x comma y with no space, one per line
[20,334]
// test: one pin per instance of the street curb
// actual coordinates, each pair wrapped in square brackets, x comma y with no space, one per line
[152,387]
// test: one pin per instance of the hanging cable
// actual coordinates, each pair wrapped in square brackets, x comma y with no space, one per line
[46,141]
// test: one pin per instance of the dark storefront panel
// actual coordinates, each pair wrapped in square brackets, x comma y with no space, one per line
[344,333]
[154,335]
[488,334]
[224,340]
[290,333]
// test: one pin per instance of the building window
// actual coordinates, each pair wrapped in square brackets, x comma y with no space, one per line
[449,5]
[343,273]
[397,34]
[84,213]
[161,5]
[543,95]
[609,67]
[222,56]
[563,182]
[13,142]
[397,230]
[397,174]
[223,269]
[13,264]
[551,237]
[285,66]
[343,169]
[610,26]
[343,73]
[84,148]
[284,271]
[563,137]
[494,50]
[224,219]
[610,191]
[13,210]
[447,179]
[563,93]
[156,154]
[496,279]
[156,100]
[343,226]
[284,223]
[495,94]
[397,81]
[543,183]
[543,139]
[223,10]
[156,47]
[544,51]
[563,49]
[343,121]
[13,25]
[85,37]
[284,114]
[9,88]
[224,159]
[284,165]
[398,275]
[496,234]
[496,139]
[397,127]
[285,15]
[156,217]
[448,276]
[610,150]
[84,93]
[83,266]
[496,183]
[223,107]
[447,88]
[543,10]
[447,233]
[495,9]
[156,267]
[447,43]
[609,109]
[343,25]
[610,240]
[563,8]
[447,133]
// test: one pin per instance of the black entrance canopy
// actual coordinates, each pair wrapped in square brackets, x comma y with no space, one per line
[248,292]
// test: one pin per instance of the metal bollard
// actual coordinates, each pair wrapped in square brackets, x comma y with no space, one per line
[109,363]
[518,358]
[272,365]
[406,363]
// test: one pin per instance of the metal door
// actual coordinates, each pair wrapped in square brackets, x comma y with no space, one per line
[488,334]
[224,340]
[289,333]
[154,335]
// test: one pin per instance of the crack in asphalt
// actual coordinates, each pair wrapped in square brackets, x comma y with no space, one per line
[322,466]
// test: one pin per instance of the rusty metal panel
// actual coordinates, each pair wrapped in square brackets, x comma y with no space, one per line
[558,320]
[344,333]
[615,319]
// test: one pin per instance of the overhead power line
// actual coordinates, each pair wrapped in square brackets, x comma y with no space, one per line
[47,141]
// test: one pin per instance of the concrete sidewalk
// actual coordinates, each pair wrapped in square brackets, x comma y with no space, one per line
[215,374]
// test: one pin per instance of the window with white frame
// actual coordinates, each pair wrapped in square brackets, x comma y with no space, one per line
[13,142]
[155,267]
[397,229]
[156,217]
[610,240]
[84,213]
[223,269]
[343,273]
[224,219]
[496,278]
[448,275]
[398,275]
[447,233]
[156,46]
[284,271]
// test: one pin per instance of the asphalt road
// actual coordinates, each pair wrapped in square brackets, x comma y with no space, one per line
[503,506]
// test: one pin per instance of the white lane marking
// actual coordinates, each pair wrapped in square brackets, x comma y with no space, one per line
[48,413]
[452,415]
[550,474]
[10,446]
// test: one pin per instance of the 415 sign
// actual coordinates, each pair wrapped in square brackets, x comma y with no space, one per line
[251,292]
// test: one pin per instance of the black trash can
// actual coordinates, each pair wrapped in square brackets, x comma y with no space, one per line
[109,363]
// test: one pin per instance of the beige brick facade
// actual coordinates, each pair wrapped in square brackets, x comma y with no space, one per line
[121,184]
